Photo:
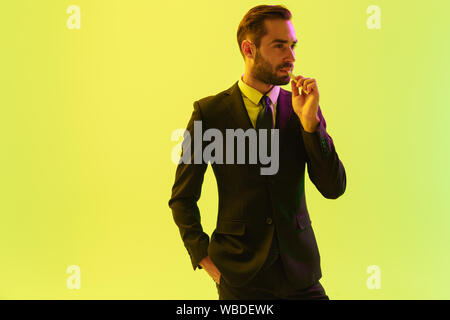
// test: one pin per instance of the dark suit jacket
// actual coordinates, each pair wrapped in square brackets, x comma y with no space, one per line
[253,206]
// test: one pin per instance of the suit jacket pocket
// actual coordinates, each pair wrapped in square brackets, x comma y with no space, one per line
[226,240]
[230,227]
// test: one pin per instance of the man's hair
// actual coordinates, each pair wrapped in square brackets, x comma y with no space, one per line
[252,24]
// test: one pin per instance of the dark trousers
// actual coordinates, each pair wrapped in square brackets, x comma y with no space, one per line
[270,284]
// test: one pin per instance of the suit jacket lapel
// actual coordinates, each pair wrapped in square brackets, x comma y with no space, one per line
[284,109]
[237,109]
[238,112]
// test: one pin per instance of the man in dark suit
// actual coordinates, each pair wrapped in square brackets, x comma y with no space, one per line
[263,246]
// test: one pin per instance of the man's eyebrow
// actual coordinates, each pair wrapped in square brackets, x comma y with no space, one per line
[283,41]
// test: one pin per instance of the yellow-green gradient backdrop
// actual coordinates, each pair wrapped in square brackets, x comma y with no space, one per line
[86,122]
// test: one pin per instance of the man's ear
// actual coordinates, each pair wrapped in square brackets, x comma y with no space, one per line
[248,49]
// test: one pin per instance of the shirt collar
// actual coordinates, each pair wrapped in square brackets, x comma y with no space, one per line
[255,96]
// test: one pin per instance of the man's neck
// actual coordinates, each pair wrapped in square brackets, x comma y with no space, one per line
[262,87]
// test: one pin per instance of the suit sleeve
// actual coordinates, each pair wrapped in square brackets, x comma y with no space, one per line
[325,169]
[186,192]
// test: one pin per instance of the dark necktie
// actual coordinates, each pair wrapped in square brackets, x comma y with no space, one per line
[265,118]
[265,121]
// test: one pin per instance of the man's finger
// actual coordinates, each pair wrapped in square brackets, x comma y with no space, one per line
[302,81]
[310,87]
[297,79]
[308,81]
[294,88]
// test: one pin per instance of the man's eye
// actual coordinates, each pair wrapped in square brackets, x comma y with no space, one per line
[281,46]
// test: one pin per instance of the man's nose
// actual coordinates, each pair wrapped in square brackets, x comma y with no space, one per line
[291,57]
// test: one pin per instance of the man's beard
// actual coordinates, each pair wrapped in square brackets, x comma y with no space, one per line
[262,70]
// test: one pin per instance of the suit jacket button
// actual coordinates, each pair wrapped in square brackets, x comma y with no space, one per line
[269,220]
